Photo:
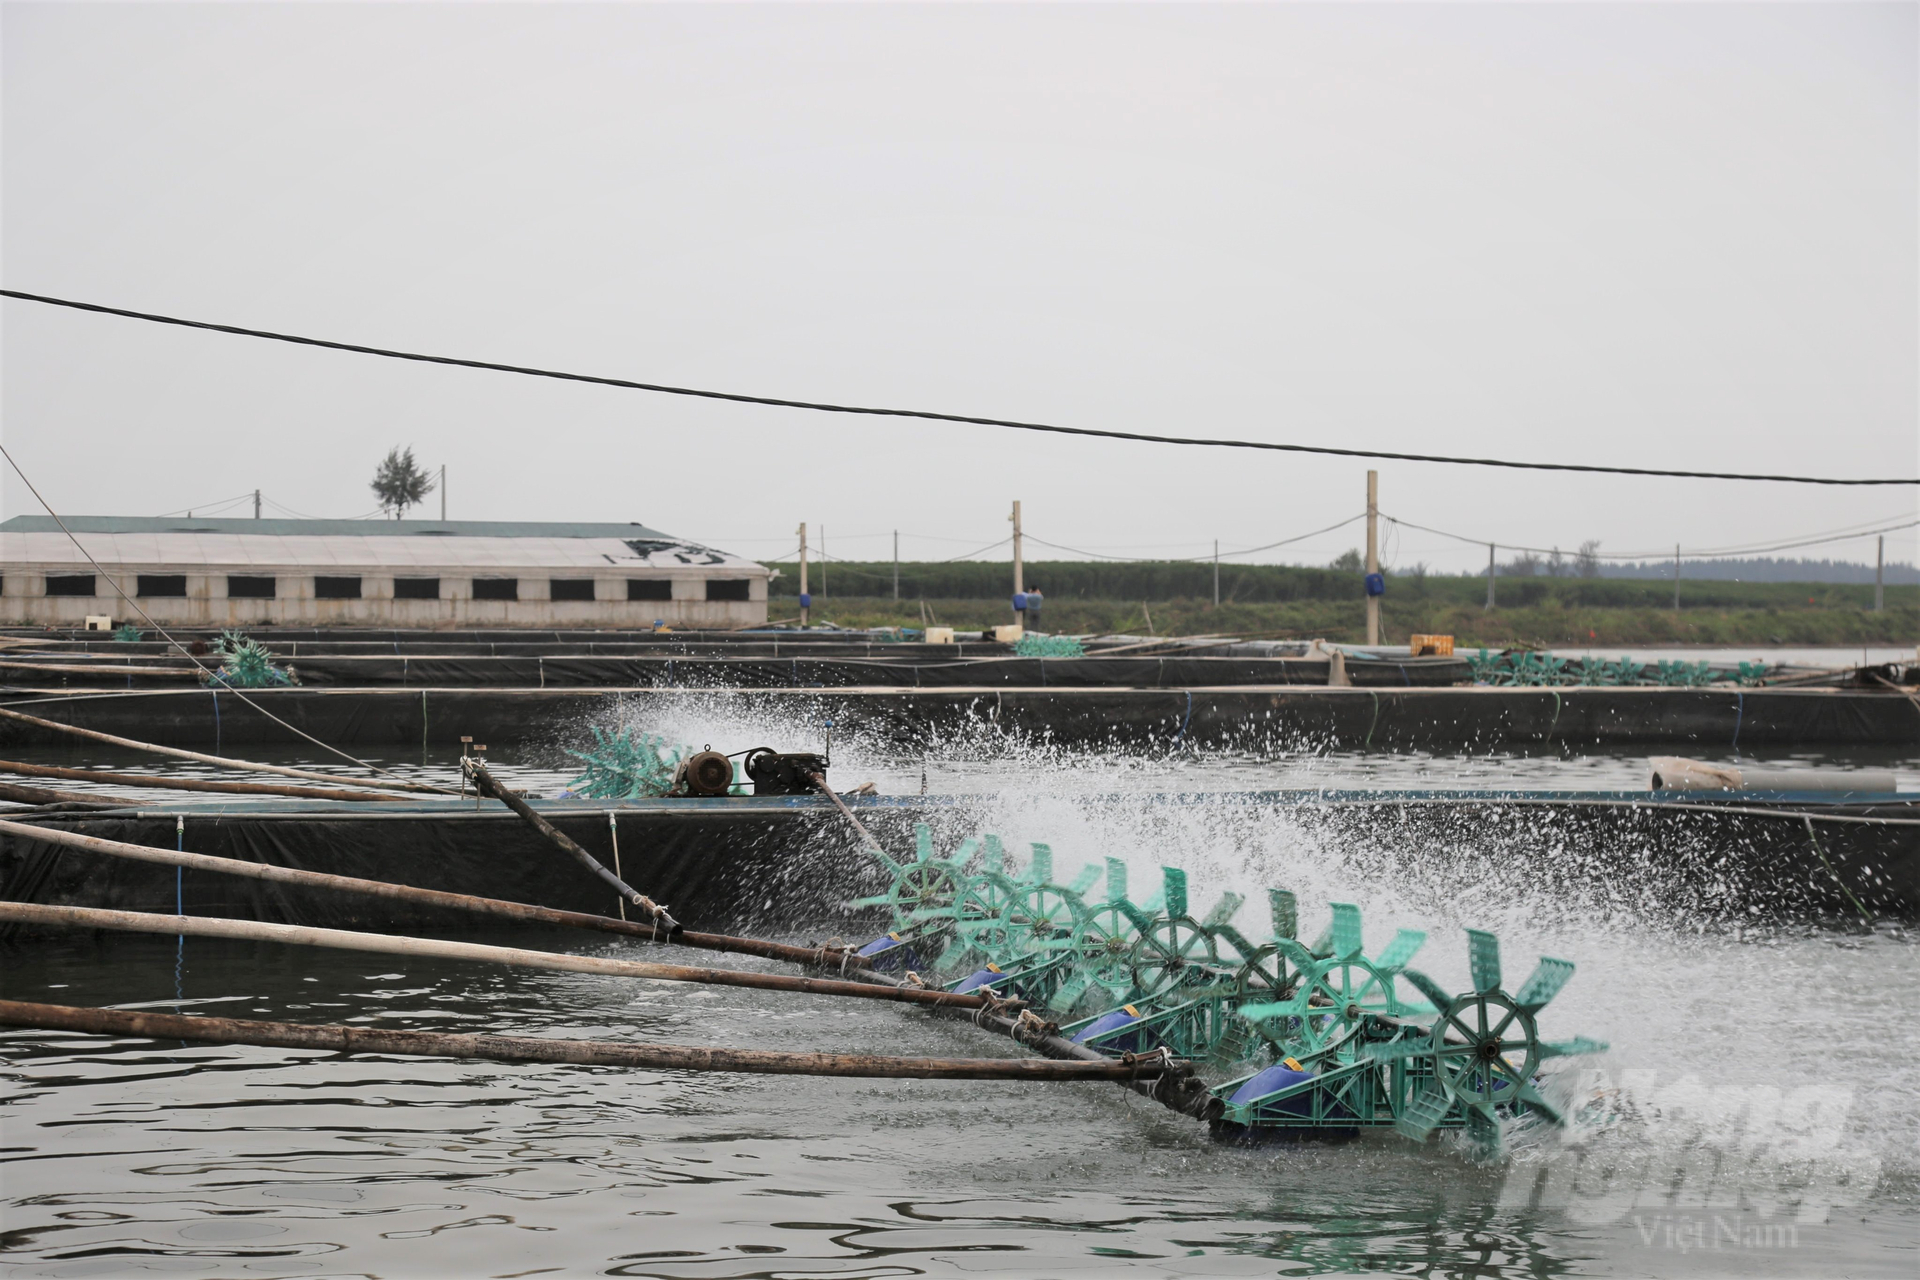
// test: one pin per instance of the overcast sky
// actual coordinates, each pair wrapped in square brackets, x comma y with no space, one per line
[1643,234]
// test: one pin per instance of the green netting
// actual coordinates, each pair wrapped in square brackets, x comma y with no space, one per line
[1519,667]
[1033,646]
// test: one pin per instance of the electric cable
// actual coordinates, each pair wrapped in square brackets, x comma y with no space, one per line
[930,415]
[1720,554]
[205,507]
[1207,559]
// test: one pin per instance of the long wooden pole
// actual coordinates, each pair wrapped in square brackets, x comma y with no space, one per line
[820,957]
[189,784]
[607,1053]
[440,949]
[42,795]
[95,668]
[484,783]
[225,762]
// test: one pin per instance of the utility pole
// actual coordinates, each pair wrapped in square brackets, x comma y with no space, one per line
[1216,573]
[823,559]
[256,504]
[1880,575]
[443,493]
[1373,554]
[896,564]
[1019,577]
[806,601]
[1489,575]
[1676,577]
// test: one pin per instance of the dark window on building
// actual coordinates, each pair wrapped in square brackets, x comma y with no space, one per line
[728,588]
[649,589]
[570,589]
[496,588]
[249,588]
[69,584]
[416,588]
[161,584]
[336,588]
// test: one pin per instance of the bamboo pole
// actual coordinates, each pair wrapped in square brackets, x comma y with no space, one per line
[188,784]
[819,957]
[225,762]
[602,1053]
[96,669]
[400,945]
[42,795]
[484,783]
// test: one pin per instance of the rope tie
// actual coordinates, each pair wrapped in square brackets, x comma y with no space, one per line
[1160,1058]
[1030,1028]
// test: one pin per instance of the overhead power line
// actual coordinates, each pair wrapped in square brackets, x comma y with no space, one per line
[1724,553]
[1207,559]
[931,416]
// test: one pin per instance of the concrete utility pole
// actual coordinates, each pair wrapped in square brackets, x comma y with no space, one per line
[1880,574]
[256,504]
[896,564]
[443,493]
[806,601]
[1489,575]
[1676,577]
[1019,577]
[1373,554]
[1216,573]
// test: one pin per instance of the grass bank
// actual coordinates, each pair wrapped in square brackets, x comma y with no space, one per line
[1283,601]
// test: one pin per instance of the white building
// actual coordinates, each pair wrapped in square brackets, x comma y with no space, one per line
[386,573]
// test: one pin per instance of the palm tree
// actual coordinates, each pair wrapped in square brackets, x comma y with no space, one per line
[399,482]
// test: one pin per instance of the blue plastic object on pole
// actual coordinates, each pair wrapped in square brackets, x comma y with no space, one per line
[1019,602]
[806,599]
[1376,584]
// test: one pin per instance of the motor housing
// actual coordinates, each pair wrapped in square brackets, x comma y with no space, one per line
[707,773]
[784,773]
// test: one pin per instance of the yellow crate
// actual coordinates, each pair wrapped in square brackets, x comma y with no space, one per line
[1431,646]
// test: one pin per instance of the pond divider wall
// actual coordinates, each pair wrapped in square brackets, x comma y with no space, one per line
[1386,718]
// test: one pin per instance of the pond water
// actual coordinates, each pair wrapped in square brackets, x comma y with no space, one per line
[1757,1113]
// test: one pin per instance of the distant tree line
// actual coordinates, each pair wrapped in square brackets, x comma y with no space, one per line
[1162,580]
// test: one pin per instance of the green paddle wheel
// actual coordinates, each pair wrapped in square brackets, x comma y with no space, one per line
[1319,1037]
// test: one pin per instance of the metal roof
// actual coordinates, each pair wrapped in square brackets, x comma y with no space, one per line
[407,545]
[339,528]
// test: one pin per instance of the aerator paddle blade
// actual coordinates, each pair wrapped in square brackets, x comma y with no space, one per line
[1261,1012]
[1116,880]
[1286,913]
[1175,891]
[1425,1114]
[1483,955]
[1544,983]
[1571,1048]
[1404,946]
[1346,931]
[1084,881]
[1223,910]
[1041,869]
[1428,987]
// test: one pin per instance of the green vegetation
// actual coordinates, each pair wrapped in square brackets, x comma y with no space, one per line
[1286,601]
